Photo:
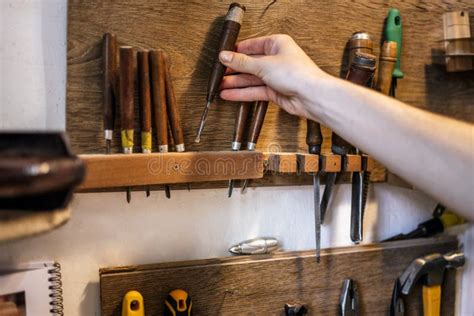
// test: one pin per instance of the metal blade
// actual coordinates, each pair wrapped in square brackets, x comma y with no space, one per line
[365,190]
[356,208]
[330,180]
[244,186]
[317,216]
[231,188]
[168,191]
[129,194]
[147,190]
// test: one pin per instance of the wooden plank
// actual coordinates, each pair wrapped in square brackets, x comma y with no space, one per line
[245,285]
[282,162]
[331,163]
[118,170]
[351,163]
[307,163]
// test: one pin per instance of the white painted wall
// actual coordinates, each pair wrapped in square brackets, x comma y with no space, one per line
[105,231]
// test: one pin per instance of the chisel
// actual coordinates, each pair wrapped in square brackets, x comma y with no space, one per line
[240,122]
[174,117]
[314,139]
[228,38]
[143,66]
[126,102]
[255,128]
[393,33]
[109,55]
[359,42]
[158,83]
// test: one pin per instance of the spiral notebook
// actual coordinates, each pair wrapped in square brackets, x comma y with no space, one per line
[31,289]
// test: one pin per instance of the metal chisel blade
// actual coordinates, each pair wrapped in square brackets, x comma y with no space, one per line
[356,207]
[231,188]
[317,216]
[330,181]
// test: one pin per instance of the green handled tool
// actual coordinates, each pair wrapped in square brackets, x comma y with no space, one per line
[393,33]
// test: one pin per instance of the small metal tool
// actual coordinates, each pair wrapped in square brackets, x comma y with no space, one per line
[255,128]
[127,76]
[240,122]
[349,301]
[256,246]
[228,38]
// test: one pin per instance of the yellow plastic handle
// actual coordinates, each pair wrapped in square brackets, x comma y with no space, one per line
[432,300]
[132,304]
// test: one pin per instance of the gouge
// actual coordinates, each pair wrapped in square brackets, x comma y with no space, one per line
[158,83]
[255,128]
[126,102]
[240,122]
[109,55]
[314,139]
[145,103]
[228,38]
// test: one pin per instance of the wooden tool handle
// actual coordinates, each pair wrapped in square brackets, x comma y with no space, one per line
[159,98]
[126,96]
[109,55]
[388,58]
[143,66]
[173,114]
[360,42]
[432,300]
[240,123]
[314,138]
[257,123]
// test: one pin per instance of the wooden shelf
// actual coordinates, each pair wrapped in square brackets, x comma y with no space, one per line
[119,170]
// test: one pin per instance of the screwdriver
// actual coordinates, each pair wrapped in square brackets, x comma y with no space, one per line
[255,128]
[174,117]
[228,38]
[393,33]
[126,102]
[158,82]
[109,55]
[314,139]
[240,122]
[145,103]
[359,42]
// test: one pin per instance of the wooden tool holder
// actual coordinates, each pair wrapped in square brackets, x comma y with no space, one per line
[188,32]
[261,285]
[459,46]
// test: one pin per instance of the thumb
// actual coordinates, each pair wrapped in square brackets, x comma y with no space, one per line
[241,62]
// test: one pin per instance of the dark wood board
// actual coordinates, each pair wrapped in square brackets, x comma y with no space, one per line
[188,31]
[261,285]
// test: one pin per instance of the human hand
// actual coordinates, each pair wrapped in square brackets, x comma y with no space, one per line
[271,68]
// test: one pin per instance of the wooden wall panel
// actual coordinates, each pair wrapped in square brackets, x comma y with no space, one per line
[188,31]
[261,285]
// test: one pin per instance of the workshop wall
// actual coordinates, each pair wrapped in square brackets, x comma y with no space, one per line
[106,231]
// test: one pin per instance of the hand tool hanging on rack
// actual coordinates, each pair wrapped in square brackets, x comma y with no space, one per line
[240,123]
[441,220]
[430,269]
[228,38]
[295,310]
[255,246]
[393,33]
[178,303]
[314,139]
[349,301]
[359,42]
[158,83]
[143,66]
[109,57]
[174,117]
[133,304]
[255,128]
[126,102]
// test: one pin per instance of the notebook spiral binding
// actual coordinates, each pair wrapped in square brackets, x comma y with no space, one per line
[56,290]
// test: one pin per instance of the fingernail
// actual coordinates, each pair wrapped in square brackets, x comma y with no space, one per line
[226,57]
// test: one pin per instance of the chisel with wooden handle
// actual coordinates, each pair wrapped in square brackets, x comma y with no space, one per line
[240,122]
[109,56]
[393,33]
[314,139]
[158,82]
[126,102]
[143,66]
[255,128]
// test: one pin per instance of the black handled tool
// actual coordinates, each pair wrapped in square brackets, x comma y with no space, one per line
[255,128]
[178,303]
[109,55]
[314,139]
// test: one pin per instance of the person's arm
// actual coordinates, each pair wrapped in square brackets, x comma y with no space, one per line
[432,152]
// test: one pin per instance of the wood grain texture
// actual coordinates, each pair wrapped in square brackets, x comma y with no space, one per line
[189,31]
[261,285]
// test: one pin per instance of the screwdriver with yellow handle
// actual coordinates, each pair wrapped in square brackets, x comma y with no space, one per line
[178,303]
[132,304]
